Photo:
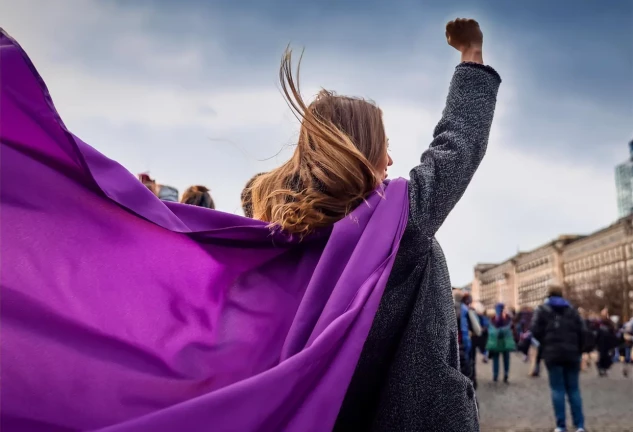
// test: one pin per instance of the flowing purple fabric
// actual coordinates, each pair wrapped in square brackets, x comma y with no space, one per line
[121,312]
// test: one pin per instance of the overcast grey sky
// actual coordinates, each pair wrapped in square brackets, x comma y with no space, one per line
[188,90]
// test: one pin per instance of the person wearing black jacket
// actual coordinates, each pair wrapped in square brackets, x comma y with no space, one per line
[560,330]
[606,341]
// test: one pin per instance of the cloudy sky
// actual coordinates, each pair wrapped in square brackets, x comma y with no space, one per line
[188,90]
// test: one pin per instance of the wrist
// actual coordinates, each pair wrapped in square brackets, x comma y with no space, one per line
[473,55]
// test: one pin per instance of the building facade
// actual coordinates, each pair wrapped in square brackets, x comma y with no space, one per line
[587,267]
[539,269]
[624,185]
[602,265]
[495,283]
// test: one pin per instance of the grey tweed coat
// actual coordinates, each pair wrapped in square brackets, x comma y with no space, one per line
[408,377]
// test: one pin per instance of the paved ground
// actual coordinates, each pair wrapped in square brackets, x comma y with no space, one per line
[525,405]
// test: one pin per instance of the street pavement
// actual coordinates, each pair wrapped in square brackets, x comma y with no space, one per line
[525,405]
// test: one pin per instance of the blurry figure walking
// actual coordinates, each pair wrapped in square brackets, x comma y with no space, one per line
[468,327]
[500,342]
[606,342]
[560,330]
[589,344]
[627,345]
[524,336]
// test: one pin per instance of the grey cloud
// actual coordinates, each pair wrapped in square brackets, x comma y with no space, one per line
[397,57]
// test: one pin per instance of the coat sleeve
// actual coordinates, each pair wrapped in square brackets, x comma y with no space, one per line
[459,144]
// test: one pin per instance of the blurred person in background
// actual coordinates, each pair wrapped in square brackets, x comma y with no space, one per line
[500,342]
[560,330]
[589,341]
[198,196]
[606,342]
[524,318]
[479,341]
[468,326]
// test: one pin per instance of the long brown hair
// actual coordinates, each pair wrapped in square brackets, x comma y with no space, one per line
[341,141]
[198,196]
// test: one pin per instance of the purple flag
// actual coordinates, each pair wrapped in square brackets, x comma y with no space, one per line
[121,312]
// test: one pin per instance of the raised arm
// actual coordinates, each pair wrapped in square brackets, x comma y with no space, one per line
[461,136]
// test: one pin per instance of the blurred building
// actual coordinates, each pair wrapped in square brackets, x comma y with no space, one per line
[495,283]
[624,185]
[601,266]
[592,269]
[539,269]
[523,279]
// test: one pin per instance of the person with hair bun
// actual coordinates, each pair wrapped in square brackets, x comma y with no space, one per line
[198,196]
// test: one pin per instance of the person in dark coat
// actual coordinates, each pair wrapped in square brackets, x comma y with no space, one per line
[464,341]
[589,339]
[408,377]
[522,326]
[411,355]
[606,342]
[560,330]
[627,345]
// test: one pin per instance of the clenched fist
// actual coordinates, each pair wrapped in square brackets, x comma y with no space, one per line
[466,37]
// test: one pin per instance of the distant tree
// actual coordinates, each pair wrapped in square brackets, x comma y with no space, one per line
[607,290]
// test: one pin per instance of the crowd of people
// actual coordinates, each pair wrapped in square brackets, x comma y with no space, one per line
[565,338]
[197,195]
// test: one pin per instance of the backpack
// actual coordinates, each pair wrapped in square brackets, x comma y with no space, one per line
[500,339]
[589,340]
